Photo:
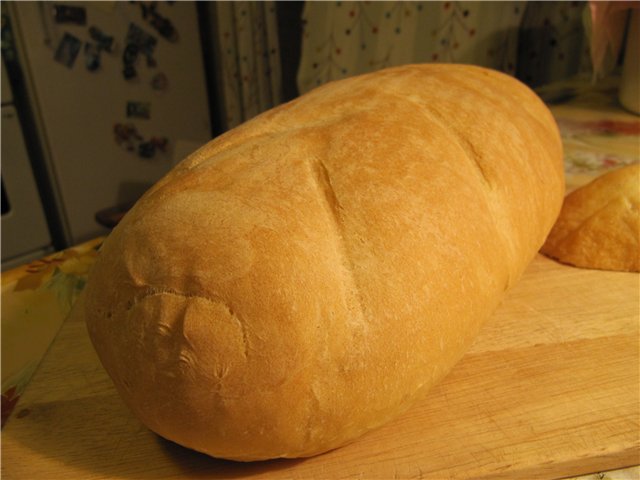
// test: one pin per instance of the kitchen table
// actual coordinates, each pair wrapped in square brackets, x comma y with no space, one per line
[550,389]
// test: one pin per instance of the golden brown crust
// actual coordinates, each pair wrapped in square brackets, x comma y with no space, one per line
[599,224]
[303,278]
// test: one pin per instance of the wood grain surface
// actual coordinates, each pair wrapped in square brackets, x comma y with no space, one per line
[550,389]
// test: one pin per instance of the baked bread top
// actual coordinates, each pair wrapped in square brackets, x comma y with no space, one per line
[599,225]
[303,278]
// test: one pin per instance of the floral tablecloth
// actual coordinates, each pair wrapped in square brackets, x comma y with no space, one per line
[36,299]
[598,135]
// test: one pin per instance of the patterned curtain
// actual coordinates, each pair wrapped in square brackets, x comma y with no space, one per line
[250,75]
[539,42]
[553,43]
[341,39]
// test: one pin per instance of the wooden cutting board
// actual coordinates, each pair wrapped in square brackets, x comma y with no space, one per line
[550,389]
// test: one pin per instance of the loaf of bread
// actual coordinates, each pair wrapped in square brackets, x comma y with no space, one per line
[599,224]
[305,277]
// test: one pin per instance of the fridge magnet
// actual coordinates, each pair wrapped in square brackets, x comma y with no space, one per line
[91,57]
[67,50]
[103,41]
[146,43]
[161,24]
[161,143]
[139,110]
[159,82]
[127,136]
[148,149]
[137,42]
[129,57]
[70,14]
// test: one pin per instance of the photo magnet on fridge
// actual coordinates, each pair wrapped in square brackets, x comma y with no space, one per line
[92,57]
[137,42]
[162,24]
[67,50]
[145,42]
[103,41]
[129,57]
[93,50]
[70,14]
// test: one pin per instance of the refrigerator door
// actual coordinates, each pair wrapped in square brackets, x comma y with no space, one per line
[85,108]
[25,235]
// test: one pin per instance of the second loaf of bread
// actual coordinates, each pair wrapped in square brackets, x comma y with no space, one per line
[305,277]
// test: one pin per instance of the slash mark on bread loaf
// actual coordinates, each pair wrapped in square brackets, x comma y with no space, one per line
[323,181]
[475,158]
[464,143]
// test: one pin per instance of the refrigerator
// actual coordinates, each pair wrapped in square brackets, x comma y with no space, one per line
[25,234]
[118,96]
